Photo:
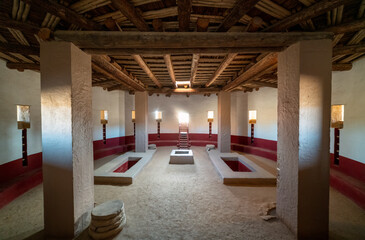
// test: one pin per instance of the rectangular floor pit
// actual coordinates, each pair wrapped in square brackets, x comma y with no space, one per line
[236,165]
[127,165]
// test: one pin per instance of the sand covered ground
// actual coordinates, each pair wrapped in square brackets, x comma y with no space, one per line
[185,202]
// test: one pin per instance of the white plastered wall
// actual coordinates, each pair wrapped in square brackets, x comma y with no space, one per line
[113,102]
[196,105]
[348,88]
[24,88]
[265,102]
[18,88]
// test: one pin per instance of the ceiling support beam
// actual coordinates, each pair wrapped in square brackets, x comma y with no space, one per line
[6,22]
[353,26]
[102,65]
[23,66]
[350,49]
[264,84]
[131,13]
[146,69]
[184,10]
[170,68]
[341,67]
[67,14]
[16,48]
[159,51]
[182,40]
[194,68]
[260,68]
[306,14]
[241,8]
[184,90]
[225,63]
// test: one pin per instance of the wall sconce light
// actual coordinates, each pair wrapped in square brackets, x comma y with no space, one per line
[23,119]
[210,120]
[337,118]
[158,117]
[134,122]
[104,121]
[252,121]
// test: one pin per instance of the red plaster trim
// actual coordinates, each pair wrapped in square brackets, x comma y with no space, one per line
[259,142]
[350,167]
[14,168]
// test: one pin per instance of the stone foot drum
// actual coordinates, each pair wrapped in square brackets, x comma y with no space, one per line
[107,220]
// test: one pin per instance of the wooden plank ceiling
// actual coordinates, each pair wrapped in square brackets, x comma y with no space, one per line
[182,67]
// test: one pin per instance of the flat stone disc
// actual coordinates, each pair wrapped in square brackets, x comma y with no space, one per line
[108,234]
[107,210]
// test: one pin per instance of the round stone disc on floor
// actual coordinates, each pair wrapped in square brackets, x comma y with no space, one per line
[107,210]
[108,234]
[103,223]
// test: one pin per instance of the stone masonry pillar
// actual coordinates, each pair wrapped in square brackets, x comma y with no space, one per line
[224,121]
[67,140]
[304,99]
[141,106]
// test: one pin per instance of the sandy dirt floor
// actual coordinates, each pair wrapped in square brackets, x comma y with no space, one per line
[185,202]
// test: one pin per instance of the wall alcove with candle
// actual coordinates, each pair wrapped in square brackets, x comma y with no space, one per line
[252,116]
[104,121]
[134,122]
[23,119]
[210,121]
[158,117]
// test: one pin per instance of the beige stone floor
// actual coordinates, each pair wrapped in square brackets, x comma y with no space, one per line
[185,202]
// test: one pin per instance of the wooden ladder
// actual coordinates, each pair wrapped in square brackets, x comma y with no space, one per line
[184,140]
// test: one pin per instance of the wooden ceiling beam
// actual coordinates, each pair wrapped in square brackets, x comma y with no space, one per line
[264,84]
[350,49]
[353,26]
[225,63]
[23,66]
[341,67]
[66,14]
[146,69]
[170,68]
[194,68]
[182,40]
[184,90]
[102,83]
[131,13]
[159,51]
[306,14]
[101,64]
[259,69]
[16,48]
[184,10]
[28,28]
[241,8]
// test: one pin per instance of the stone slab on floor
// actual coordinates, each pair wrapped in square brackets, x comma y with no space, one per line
[181,156]
[106,175]
[258,177]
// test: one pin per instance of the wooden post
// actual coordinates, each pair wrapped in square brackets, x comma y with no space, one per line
[252,133]
[158,129]
[210,129]
[104,133]
[336,149]
[24,147]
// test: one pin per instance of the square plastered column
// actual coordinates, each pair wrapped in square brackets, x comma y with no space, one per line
[224,121]
[141,106]
[304,99]
[68,168]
